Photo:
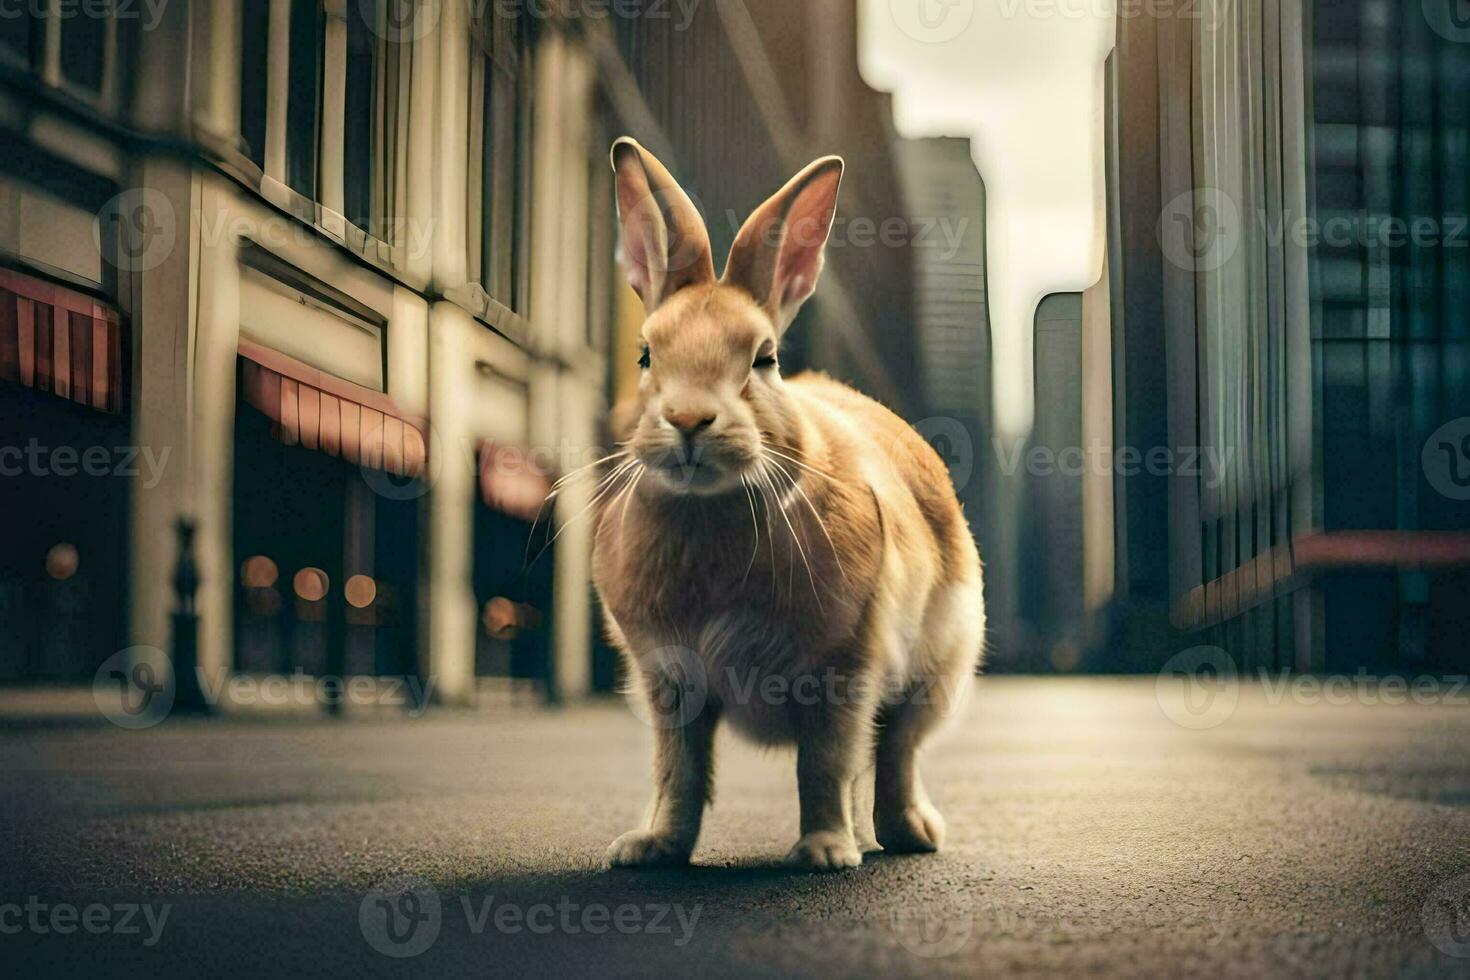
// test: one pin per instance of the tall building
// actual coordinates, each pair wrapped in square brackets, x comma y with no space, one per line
[336,283]
[945,197]
[1390,284]
[1052,499]
[1052,598]
[1294,369]
[737,101]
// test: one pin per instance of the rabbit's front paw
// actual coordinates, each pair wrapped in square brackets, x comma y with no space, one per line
[917,828]
[825,850]
[646,849]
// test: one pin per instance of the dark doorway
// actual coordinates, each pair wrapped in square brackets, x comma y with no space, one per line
[327,568]
[65,478]
[513,577]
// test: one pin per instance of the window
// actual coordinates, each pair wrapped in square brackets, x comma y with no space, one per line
[84,46]
[375,117]
[304,96]
[20,32]
[500,133]
[254,78]
[324,111]
[357,160]
[72,47]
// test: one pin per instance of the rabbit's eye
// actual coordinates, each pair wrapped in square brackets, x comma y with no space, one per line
[765,361]
[645,357]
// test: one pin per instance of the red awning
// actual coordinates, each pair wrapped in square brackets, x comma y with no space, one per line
[511,482]
[1285,567]
[320,411]
[60,340]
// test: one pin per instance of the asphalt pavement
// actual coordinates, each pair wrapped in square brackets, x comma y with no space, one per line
[1105,826]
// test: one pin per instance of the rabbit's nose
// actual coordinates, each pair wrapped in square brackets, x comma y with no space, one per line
[689,421]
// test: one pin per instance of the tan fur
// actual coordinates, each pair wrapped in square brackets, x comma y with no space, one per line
[833,603]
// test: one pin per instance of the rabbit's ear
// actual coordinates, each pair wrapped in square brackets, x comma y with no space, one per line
[778,254]
[664,245]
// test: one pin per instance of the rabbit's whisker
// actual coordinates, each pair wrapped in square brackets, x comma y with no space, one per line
[620,454]
[755,530]
[559,485]
[811,577]
[795,539]
[806,466]
[617,471]
[796,486]
[627,497]
[608,483]
[760,486]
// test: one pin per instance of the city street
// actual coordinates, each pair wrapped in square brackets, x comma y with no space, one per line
[373,372]
[1087,833]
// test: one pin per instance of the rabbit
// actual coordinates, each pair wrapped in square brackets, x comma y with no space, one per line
[782,553]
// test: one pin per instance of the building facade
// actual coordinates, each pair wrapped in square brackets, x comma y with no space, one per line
[313,225]
[1391,280]
[338,278]
[1264,331]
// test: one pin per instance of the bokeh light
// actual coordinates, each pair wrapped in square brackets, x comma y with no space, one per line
[360,591]
[311,584]
[62,561]
[259,572]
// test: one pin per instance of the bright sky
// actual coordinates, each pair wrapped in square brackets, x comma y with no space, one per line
[1024,80]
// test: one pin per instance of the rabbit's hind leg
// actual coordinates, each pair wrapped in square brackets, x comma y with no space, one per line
[905,819]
